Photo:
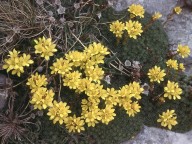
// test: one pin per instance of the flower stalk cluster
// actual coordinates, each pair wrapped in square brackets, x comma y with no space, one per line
[172,91]
[81,71]
[16,62]
[133,27]
[168,119]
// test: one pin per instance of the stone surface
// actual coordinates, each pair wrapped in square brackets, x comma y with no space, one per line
[150,135]
[151,6]
[179,31]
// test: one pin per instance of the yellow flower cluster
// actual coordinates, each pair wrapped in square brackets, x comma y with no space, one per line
[136,10]
[36,81]
[87,60]
[126,95]
[107,114]
[177,10]
[72,79]
[75,124]
[168,119]
[75,57]
[183,50]
[172,91]
[16,63]
[61,67]
[134,29]
[42,98]
[59,112]
[117,28]
[172,64]
[156,74]
[80,71]
[45,47]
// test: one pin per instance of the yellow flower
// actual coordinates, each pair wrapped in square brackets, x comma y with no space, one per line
[45,47]
[112,97]
[61,67]
[136,90]
[102,93]
[156,16]
[72,80]
[97,59]
[25,59]
[107,114]
[177,10]
[181,67]
[95,74]
[89,64]
[137,10]
[134,29]
[132,108]
[117,28]
[91,117]
[89,104]
[75,57]
[183,50]
[94,55]
[16,63]
[172,91]
[92,90]
[172,64]
[84,84]
[125,96]
[168,119]
[95,49]
[156,74]
[96,91]
[36,81]
[42,98]
[59,112]
[14,53]
[125,91]
[74,124]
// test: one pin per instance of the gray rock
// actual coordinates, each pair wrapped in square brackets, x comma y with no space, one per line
[151,6]
[179,31]
[150,135]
